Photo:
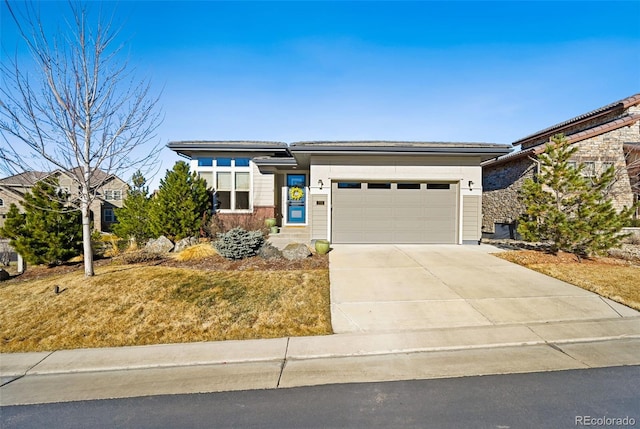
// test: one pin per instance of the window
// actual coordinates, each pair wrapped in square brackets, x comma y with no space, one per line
[223,162]
[589,169]
[112,194]
[230,178]
[233,190]
[1,202]
[208,177]
[408,186]
[379,185]
[108,215]
[572,165]
[349,185]
[205,162]
[242,191]
[223,190]
[607,165]
[438,186]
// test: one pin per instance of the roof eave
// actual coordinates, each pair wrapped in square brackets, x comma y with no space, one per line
[352,150]
[229,146]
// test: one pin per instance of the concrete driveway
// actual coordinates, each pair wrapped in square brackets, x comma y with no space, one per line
[381,288]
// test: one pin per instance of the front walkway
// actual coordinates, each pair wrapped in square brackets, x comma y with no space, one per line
[382,288]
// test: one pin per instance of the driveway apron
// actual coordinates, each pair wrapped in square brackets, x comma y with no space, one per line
[381,288]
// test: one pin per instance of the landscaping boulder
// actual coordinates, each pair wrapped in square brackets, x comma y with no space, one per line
[4,275]
[184,243]
[160,245]
[296,251]
[269,251]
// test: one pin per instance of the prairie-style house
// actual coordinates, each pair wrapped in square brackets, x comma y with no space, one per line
[350,191]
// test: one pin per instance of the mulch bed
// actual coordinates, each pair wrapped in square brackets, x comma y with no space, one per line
[213,263]
[534,257]
[218,263]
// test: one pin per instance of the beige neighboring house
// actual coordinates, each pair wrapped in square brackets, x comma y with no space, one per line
[110,193]
[350,191]
[607,136]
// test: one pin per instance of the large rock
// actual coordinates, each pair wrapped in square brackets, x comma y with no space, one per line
[269,251]
[296,251]
[184,243]
[160,245]
[4,275]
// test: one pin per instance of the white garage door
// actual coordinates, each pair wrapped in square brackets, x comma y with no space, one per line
[394,212]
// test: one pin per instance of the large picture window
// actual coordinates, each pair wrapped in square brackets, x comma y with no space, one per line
[231,179]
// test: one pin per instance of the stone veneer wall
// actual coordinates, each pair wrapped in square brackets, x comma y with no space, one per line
[501,182]
[500,186]
[608,148]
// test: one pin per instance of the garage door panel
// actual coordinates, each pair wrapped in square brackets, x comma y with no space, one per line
[408,214]
[394,215]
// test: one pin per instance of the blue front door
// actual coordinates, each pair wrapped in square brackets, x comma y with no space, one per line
[296,197]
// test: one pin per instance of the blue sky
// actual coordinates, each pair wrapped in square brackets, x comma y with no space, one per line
[334,70]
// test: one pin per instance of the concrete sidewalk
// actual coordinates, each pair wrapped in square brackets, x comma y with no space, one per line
[73,375]
[401,313]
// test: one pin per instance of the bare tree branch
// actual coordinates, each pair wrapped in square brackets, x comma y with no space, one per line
[86,115]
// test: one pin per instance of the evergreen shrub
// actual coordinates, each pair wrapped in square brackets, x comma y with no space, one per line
[239,243]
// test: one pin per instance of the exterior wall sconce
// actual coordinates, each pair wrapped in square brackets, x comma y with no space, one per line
[320,183]
[470,184]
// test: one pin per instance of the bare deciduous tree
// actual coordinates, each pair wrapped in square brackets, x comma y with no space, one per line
[80,110]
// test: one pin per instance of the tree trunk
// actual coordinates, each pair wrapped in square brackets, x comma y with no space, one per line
[86,240]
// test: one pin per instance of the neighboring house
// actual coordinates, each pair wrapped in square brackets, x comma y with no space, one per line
[608,136]
[110,192]
[350,192]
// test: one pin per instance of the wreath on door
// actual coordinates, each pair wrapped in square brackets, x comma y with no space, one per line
[296,193]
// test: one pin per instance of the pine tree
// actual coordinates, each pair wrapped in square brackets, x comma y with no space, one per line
[48,232]
[133,217]
[180,204]
[568,210]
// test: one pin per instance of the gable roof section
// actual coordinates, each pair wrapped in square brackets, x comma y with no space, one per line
[28,178]
[573,138]
[615,107]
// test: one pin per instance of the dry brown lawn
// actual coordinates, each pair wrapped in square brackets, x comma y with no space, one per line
[612,278]
[164,302]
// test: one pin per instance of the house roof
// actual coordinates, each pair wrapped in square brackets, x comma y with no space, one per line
[601,111]
[188,148]
[276,153]
[301,150]
[390,146]
[27,178]
[572,138]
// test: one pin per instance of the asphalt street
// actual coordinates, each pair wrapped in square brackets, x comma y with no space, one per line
[602,397]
